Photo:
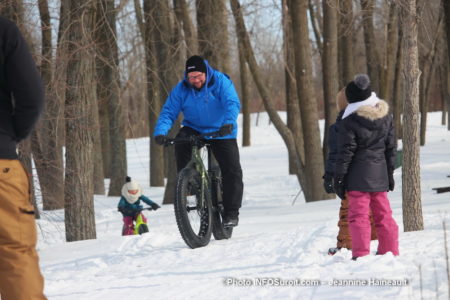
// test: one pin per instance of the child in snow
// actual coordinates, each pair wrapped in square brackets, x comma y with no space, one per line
[365,166]
[344,239]
[129,205]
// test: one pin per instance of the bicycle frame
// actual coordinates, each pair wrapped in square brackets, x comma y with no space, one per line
[197,162]
[139,221]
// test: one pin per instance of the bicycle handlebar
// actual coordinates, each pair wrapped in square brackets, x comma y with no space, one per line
[194,139]
[134,210]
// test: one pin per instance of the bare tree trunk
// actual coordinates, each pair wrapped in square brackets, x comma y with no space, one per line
[346,42]
[443,79]
[110,82]
[411,191]
[245,96]
[164,40]
[154,98]
[60,76]
[398,87]
[373,61]
[147,26]
[176,67]
[182,13]
[50,158]
[330,66]
[79,206]
[97,175]
[104,86]
[443,70]
[391,54]
[282,129]
[314,165]
[429,68]
[144,104]
[294,121]
[98,132]
[163,36]
[212,27]
[448,98]
[316,30]
[102,143]
[446,5]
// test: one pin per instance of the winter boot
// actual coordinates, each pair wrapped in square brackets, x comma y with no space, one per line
[230,221]
[334,250]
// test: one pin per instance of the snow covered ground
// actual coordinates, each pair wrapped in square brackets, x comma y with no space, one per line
[278,251]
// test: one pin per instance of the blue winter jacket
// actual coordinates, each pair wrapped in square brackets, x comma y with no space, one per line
[204,110]
[128,209]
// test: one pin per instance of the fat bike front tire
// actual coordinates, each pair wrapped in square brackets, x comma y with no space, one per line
[194,217]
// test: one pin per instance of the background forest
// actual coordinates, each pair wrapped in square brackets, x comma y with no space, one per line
[108,67]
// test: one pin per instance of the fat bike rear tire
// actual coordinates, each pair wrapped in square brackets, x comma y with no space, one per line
[219,231]
[143,229]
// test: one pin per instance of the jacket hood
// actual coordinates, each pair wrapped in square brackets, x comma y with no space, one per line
[372,116]
[372,113]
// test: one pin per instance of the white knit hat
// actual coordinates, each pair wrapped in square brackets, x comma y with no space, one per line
[131,185]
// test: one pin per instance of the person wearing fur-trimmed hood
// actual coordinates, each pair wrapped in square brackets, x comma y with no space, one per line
[365,165]
[130,204]
[344,239]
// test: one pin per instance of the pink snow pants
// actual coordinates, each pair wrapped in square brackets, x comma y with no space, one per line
[128,226]
[385,225]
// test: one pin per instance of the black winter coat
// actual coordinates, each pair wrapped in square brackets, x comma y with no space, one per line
[366,149]
[332,145]
[21,90]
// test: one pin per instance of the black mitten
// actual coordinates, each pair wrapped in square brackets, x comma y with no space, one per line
[160,139]
[225,129]
[328,183]
[155,206]
[339,186]
[391,182]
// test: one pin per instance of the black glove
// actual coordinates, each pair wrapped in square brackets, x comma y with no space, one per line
[339,186]
[160,139]
[225,129]
[155,206]
[391,181]
[328,183]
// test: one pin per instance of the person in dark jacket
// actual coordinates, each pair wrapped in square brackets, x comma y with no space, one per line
[21,103]
[344,239]
[365,165]
[209,102]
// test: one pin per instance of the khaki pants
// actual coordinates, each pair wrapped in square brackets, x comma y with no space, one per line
[20,277]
